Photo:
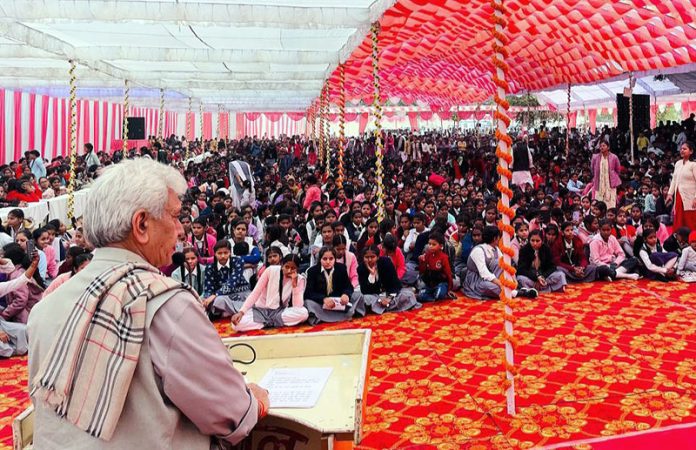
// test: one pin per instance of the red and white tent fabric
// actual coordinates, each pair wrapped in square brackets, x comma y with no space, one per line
[439,51]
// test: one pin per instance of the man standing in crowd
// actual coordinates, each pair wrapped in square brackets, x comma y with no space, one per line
[91,158]
[36,164]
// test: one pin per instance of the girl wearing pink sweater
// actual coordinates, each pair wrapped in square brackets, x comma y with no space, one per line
[276,301]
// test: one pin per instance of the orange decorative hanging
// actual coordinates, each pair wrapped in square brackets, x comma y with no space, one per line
[504,154]
[341,123]
[377,105]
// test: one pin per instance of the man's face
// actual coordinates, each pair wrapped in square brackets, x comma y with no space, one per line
[161,232]
[44,184]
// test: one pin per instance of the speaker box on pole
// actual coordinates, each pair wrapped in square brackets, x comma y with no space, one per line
[136,128]
[641,112]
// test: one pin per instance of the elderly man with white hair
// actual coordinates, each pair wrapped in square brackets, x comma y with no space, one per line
[122,357]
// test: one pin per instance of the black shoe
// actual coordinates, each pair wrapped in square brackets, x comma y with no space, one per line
[528,293]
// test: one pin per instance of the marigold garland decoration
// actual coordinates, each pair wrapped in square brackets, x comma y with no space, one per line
[341,123]
[126,108]
[320,137]
[327,134]
[567,146]
[504,154]
[73,141]
[160,124]
[377,105]
[188,128]
[200,109]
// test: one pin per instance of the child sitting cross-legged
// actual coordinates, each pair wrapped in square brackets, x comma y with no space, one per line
[276,301]
[224,281]
[435,271]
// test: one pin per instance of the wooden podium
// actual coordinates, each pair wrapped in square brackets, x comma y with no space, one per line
[335,423]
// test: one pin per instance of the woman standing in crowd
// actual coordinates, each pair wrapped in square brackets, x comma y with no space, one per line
[682,190]
[606,171]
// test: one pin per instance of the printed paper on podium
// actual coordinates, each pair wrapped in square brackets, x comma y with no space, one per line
[295,388]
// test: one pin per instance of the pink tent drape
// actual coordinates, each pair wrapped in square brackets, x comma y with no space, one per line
[296,115]
[362,123]
[426,115]
[653,115]
[615,116]
[413,120]
[573,119]
[274,117]
[592,116]
[350,117]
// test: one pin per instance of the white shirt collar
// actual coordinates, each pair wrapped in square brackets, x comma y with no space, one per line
[220,266]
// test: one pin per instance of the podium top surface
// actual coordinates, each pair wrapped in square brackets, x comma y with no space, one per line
[346,352]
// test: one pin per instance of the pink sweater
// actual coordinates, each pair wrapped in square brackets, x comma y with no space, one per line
[51,264]
[351,263]
[266,293]
[313,195]
[605,253]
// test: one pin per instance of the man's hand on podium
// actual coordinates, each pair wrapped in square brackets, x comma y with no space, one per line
[261,395]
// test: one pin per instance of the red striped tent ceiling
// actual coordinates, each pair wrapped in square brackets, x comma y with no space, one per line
[439,51]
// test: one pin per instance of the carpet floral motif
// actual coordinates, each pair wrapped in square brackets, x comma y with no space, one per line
[602,360]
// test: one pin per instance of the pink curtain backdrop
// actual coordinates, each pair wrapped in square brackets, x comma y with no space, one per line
[18,126]
[207,125]
[413,120]
[296,115]
[261,125]
[273,117]
[332,117]
[351,117]
[362,122]
[426,115]
[615,116]
[592,116]
[44,120]
[653,116]
[32,121]
[573,119]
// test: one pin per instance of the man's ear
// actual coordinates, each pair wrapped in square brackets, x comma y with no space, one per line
[140,224]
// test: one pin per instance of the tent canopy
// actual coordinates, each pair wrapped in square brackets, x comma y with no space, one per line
[440,51]
[243,55]
[274,55]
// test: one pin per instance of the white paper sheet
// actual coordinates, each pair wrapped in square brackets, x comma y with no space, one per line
[295,388]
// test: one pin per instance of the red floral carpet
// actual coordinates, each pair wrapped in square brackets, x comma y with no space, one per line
[603,359]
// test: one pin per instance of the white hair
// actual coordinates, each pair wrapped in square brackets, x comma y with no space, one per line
[122,190]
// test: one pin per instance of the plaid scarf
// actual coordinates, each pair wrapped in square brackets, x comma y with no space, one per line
[87,372]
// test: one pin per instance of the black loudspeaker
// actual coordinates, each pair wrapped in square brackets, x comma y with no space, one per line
[136,128]
[641,112]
